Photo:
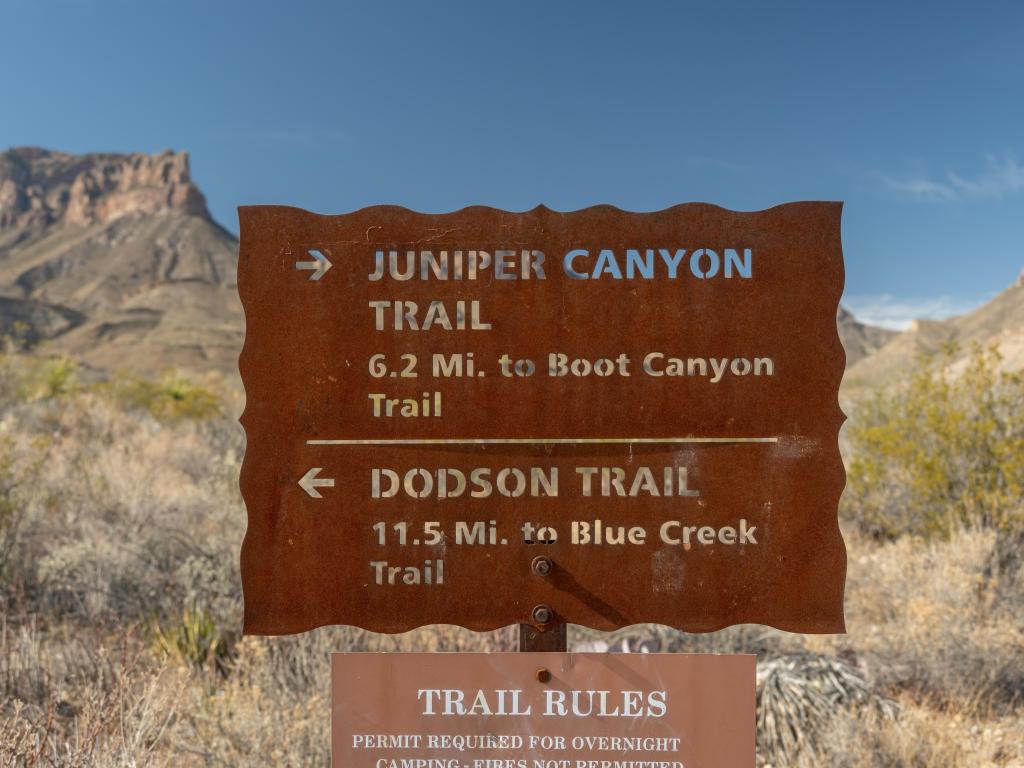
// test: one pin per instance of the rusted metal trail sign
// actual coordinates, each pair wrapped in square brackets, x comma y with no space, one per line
[599,417]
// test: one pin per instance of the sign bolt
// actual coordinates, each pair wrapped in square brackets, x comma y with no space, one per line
[542,614]
[543,675]
[542,565]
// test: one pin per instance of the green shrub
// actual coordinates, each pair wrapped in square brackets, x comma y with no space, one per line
[21,464]
[45,378]
[944,451]
[172,397]
[10,509]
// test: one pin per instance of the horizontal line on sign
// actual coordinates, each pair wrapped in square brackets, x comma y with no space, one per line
[545,441]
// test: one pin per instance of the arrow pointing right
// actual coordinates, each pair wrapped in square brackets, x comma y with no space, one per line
[310,482]
[319,265]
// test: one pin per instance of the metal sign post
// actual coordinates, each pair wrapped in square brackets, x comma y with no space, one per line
[553,638]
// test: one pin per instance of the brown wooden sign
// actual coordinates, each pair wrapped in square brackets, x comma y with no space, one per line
[542,710]
[599,417]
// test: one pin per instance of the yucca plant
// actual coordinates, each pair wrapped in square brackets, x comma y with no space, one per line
[797,696]
[194,640]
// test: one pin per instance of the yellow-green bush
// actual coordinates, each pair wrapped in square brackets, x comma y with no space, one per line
[26,379]
[10,509]
[54,378]
[944,451]
[172,397]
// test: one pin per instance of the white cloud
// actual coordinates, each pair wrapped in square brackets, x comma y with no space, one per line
[999,177]
[920,189]
[898,313]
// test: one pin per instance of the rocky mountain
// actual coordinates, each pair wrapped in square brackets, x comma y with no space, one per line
[115,260]
[999,322]
[859,339]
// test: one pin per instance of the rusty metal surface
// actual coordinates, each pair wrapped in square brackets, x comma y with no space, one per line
[558,709]
[311,333]
[551,637]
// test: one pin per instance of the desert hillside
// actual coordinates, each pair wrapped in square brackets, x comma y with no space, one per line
[999,323]
[115,260]
[859,339]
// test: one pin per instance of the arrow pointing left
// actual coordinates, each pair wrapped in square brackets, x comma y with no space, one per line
[310,482]
[319,265]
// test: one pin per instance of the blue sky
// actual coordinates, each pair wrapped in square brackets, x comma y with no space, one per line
[911,112]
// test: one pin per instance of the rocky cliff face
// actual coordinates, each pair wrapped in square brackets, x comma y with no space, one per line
[114,259]
[39,188]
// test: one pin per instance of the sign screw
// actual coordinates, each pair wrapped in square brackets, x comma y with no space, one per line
[542,614]
[543,675]
[542,565]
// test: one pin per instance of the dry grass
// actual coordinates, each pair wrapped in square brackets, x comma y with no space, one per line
[869,739]
[120,602]
[942,620]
